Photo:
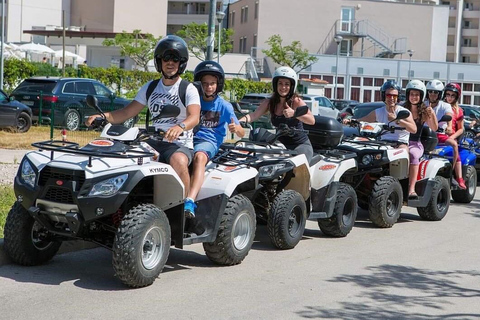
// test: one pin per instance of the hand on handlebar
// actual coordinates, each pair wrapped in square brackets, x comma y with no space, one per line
[173,133]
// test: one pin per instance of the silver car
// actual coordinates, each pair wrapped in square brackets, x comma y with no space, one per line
[320,105]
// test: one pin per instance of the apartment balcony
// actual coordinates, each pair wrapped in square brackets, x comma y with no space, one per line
[451,31]
[452,12]
[182,19]
[450,49]
[470,32]
[471,14]
[469,50]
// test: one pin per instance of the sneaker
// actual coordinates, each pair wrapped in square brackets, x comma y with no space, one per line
[189,207]
[461,183]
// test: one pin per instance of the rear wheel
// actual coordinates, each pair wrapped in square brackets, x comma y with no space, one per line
[439,203]
[235,234]
[26,241]
[287,219]
[469,134]
[24,122]
[467,195]
[344,215]
[385,202]
[141,245]
[72,120]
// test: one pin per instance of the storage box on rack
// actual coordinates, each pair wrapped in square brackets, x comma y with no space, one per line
[325,133]
[429,139]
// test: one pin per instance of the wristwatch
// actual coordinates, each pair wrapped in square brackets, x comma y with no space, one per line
[182,125]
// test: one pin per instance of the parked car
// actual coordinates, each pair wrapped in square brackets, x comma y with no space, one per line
[320,105]
[362,109]
[67,97]
[342,104]
[249,103]
[471,113]
[14,114]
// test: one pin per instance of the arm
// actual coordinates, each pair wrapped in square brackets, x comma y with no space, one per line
[260,111]
[120,115]
[431,120]
[306,118]
[192,119]
[236,128]
[408,124]
[460,129]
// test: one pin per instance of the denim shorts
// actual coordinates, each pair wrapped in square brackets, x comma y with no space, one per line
[200,145]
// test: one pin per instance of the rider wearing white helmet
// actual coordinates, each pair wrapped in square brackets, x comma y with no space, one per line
[415,93]
[434,99]
[282,106]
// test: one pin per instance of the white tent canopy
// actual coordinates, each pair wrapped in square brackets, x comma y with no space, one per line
[35,48]
[69,56]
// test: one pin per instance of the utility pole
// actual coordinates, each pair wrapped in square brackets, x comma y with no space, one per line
[211,29]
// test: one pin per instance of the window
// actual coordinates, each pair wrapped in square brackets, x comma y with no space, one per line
[466,59]
[386,72]
[367,96]
[244,15]
[359,70]
[467,87]
[244,48]
[255,40]
[329,79]
[368,82]
[101,90]
[355,82]
[340,80]
[245,19]
[355,94]
[466,24]
[85,88]
[378,82]
[69,87]
[467,42]
[378,95]
[3,97]
[256,10]
[232,18]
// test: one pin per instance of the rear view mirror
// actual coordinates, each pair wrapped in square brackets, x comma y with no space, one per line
[168,111]
[403,114]
[445,118]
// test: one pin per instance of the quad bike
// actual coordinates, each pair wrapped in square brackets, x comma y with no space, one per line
[381,181]
[111,192]
[468,158]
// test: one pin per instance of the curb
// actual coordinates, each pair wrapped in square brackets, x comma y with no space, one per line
[67,246]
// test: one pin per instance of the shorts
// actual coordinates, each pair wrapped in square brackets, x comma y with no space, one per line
[207,147]
[415,149]
[442,137]
[167,149]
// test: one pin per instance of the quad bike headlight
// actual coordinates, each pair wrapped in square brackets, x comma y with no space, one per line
[108,187]
[28,174]
[272,170]
[367,159]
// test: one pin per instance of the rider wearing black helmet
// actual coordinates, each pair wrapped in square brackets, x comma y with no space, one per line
[170,56]
[216,113]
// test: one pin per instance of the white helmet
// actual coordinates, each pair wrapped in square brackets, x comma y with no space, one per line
[435,85]
[287,73]
[416,85]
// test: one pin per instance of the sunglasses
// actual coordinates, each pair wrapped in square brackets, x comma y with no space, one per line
[453,95]
[170,57]
[393,96]
[432,92]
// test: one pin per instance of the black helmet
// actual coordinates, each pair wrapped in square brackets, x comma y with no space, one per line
[211,68]
[171,45]
[390,84]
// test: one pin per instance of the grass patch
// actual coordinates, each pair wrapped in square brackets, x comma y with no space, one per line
[7,198]
[13,140]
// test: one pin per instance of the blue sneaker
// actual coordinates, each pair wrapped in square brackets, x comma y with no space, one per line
[189,207]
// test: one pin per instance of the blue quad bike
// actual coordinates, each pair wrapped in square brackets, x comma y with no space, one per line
[468,157]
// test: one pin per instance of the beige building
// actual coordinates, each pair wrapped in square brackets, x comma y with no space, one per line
[368,28]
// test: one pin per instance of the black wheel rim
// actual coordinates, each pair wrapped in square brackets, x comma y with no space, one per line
[392,204]
[295,221]
[348,210]
[442,200]
[39,236]
[21,124]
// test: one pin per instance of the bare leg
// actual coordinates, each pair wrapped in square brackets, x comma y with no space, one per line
[413,172]
[179,163]
[454,145]
[458,169]
[199,162]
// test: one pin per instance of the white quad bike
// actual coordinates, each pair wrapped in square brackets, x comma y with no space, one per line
[111,192]
[381,181]
[290,190]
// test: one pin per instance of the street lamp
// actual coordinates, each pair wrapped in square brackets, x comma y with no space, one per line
[220,16]
[410,53]
[338,39]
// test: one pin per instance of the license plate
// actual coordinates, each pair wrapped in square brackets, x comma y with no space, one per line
[27,103]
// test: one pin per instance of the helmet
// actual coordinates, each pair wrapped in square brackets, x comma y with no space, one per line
[211,68]
[173,45]
[455,87]
[416,85]
[436,85]
[390,84]
[287,73]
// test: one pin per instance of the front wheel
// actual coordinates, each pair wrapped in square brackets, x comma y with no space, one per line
[287,219]
[235,234]
[344,215]
[24,122]
[26,241]
[467,195]
[385,202]
[141,245]
[439,203]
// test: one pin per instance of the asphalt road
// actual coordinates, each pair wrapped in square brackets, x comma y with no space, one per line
[415,270]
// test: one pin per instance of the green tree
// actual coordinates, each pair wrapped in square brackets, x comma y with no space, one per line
[291,55]
[136,45]
[196,37]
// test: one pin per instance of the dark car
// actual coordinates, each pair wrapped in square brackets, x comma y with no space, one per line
[471,113]
[340,104]
[249,103]
[14,114]
[362,109]
[66,96]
